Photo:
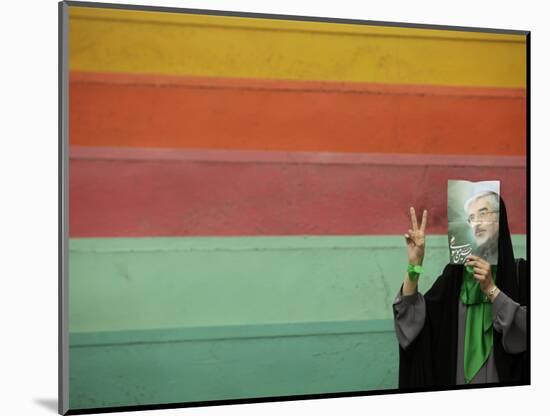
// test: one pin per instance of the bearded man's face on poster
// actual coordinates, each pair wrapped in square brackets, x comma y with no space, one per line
[483,218]
[473,228]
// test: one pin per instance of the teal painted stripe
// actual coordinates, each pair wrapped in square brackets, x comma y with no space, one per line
[219,333]
[171,372]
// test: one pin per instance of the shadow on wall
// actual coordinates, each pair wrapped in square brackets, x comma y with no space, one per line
[49,404]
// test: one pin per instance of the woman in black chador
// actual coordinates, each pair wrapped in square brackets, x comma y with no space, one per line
[470,327]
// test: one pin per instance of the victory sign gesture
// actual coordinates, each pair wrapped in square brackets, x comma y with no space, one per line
[415,238]
[416,242]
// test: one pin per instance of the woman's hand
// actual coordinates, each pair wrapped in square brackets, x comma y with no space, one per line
[482,272]
[415,238]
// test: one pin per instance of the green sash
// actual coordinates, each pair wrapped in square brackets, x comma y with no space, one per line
[478,337]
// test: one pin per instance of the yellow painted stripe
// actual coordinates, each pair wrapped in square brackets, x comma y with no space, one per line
[104,40]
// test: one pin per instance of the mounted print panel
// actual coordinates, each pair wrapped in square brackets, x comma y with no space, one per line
[239,188]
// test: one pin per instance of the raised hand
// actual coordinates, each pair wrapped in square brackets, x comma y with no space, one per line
[415,238]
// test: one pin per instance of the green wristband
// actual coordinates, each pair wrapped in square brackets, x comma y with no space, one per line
[414,271]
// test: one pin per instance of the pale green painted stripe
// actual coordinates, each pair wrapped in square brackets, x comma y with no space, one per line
[167,244]
[154,244]
[120,284]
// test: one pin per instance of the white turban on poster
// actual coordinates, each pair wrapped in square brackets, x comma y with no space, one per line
[473,220]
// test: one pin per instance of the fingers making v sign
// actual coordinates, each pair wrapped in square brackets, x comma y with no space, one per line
[415,238]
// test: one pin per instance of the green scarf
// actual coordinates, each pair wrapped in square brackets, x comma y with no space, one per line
[478,341]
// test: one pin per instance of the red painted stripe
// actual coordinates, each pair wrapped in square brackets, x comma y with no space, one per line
[145,196]
[183,112]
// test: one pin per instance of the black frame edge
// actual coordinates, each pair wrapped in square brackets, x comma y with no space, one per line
[528,202]
[212,403]
[63,105]
[135,7]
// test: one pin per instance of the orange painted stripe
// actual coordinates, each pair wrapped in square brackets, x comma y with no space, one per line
[216,113]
